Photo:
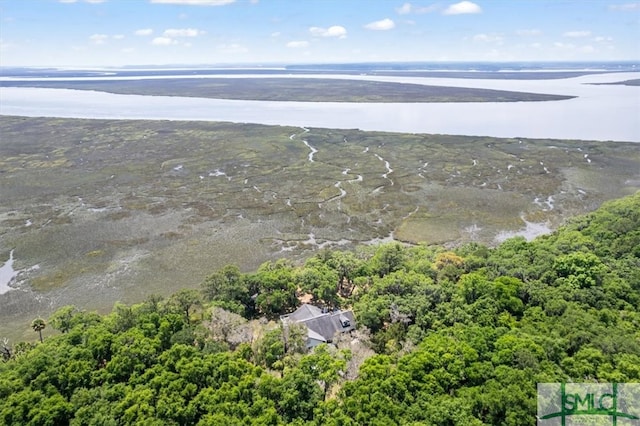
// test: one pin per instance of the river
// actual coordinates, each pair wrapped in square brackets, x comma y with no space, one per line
[599,112]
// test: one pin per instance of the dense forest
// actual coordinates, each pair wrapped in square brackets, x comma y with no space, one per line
[445,337]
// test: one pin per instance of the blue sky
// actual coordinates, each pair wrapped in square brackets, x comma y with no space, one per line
[130,32]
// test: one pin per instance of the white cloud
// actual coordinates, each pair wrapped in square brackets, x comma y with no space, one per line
[128,50]
[405,9]
[182,32]
[99,38]
[382,25]
[587,49]
[4,46]
[408,8]
[563,45]
[577,34]
[143,32]
[118,36]
[276,34]
[464,7]
[86,1]
[297,44]
[232,48]
[529,33]
[195,2]
[487,38]
[626,7]
[601,39]
[163,41]
[334,31]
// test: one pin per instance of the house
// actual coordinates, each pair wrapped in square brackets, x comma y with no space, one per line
[322,325]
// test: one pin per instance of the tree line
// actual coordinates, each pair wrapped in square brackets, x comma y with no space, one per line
[445,337]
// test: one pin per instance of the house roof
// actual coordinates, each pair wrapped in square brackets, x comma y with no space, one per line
[323,324]
[304,313]
[315,336]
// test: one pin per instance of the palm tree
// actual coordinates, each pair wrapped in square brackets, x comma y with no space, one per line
[38,325]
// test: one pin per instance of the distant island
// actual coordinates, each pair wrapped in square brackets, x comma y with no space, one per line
[634,82]
[292,89]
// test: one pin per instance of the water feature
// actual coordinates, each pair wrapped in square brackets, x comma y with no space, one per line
[7,274]
[599,112]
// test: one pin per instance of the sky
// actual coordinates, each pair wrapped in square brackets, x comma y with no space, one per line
[98,33]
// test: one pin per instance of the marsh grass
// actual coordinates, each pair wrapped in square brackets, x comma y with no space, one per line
[293,89]
[117,210]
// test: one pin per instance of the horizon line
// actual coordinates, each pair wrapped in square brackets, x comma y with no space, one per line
[281,64]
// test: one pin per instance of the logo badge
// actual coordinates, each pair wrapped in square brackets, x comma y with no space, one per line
[567,404]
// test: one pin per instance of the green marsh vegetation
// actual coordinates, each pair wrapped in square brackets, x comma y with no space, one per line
[293,89]
[446,336]
[113,210]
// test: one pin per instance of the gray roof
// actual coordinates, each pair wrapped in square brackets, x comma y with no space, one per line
[304,313]
[326,324]
[316,336]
